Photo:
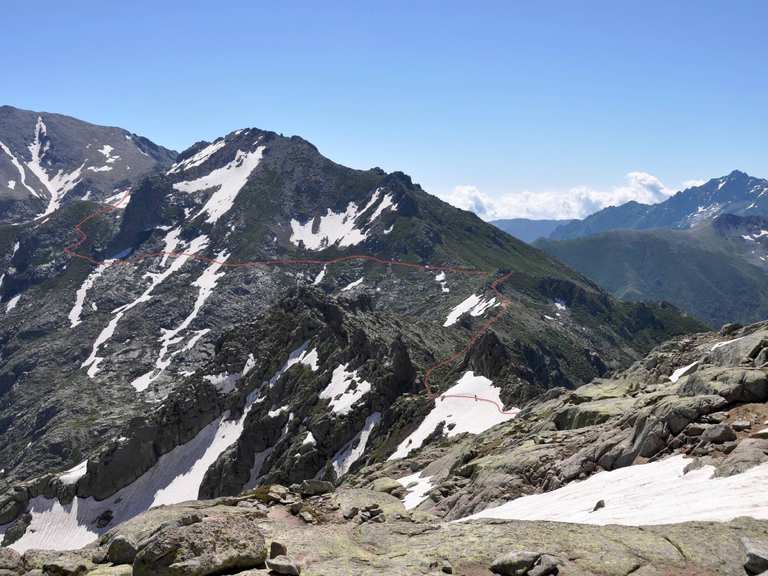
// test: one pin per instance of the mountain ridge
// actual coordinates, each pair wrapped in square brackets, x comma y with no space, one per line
[717,271]
[737,193]
[47,159]
[112,369]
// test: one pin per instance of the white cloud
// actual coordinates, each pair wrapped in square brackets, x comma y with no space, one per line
[576,202]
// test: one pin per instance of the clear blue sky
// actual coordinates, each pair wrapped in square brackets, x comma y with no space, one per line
[501,96]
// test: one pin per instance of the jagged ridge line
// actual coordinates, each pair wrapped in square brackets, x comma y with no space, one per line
[503,301]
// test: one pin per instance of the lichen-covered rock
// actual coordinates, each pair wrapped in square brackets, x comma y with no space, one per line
[10,560]
[217,543]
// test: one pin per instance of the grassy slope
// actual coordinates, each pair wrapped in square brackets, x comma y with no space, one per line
[695,270]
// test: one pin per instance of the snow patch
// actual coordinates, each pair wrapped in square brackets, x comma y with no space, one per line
[82,292]
[474,305]
[352,285]
[205,283]
[418,489]
[20,168]
[646,494]
[309,440]
[12,302]
[680,372]
[176,477]
[199,157]
[726,343]
[341,229]
[74,474]
[224,382]
[93,360]
[472,411]
[355,448]
[57,186]
[344,389]
[227,182]
[298,356]
[440,279]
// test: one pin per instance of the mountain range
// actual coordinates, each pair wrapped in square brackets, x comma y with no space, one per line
[737,193]
[249,341]
[717,271]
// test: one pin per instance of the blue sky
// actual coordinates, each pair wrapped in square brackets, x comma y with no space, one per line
[513,108]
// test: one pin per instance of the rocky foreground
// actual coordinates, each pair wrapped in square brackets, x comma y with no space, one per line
[700,402]
[311,529]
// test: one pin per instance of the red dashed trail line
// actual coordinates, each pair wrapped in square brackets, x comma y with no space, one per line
[484,327]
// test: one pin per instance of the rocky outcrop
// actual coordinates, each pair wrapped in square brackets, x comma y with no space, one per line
[230,536]
[711,414]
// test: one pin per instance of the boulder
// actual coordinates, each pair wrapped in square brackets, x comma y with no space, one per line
[741,425]
[745,385]
[277,549]
[718,434]
[121,550]
[10,560]
[757,555]
[315,487]
[546,565]
[67,565]
[591,413]
[515,563]
[218,544]
[284,565]
[387,485]
[55,563]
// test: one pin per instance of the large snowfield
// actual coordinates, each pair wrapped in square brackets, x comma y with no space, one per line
[646,494]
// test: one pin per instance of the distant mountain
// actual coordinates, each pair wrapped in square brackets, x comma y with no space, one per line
[738,193]
[47,160]
[259,313]
[717,271]
[529,230]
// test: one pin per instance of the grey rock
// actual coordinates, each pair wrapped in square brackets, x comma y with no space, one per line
[313,487]
[277,549]
[121,550]
[515,563]
[59,563]
[546,565]
[756,555]
[718,434]
[217,544]
[10,560]
[387,485]
[284,565]
[67,566]
[741,425]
